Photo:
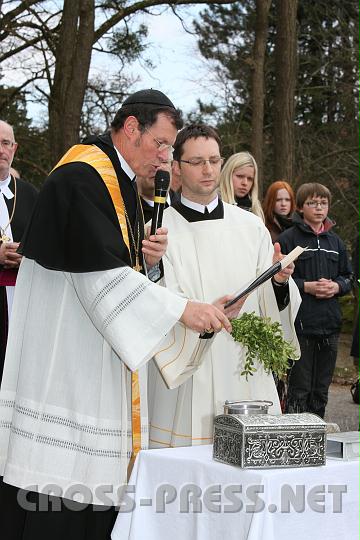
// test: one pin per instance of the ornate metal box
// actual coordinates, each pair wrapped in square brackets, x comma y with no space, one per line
[286,440]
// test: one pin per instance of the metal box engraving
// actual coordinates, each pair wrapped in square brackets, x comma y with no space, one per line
[265,441]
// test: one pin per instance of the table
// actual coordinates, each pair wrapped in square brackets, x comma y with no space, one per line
[206,502]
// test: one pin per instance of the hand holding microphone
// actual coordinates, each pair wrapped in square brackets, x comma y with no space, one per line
[154,247]
[162,183]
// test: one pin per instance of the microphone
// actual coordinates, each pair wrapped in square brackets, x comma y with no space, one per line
[162,183]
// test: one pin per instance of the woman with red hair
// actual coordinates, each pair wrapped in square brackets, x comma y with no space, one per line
[278,206]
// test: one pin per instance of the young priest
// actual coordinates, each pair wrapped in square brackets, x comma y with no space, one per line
[214,249]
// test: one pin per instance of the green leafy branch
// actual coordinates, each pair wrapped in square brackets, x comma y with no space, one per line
[264,341]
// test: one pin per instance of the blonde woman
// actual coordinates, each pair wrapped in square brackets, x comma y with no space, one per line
[239,183]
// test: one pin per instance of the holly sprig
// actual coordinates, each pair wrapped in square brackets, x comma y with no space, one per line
[264,341]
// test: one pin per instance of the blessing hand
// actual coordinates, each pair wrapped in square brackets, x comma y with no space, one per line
[285,273]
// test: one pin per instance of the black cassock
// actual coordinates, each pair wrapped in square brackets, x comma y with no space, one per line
[25,200]
[26,195]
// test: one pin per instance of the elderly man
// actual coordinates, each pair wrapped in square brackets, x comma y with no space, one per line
[86,320]
[17,199]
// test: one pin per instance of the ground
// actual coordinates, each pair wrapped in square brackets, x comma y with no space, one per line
[341,408]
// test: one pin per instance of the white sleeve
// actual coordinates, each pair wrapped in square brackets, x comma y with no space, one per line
[181,354]
[132,313]
[182,351]
[288,316]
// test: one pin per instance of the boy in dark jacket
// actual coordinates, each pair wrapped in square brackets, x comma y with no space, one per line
[322,273]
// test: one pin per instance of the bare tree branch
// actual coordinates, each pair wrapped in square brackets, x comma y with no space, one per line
[336,152]
[141,6]
[182,22]
[19,49]
[34,165]
[14,13]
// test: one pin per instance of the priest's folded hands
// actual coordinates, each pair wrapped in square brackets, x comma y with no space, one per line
[9,258]
[154,246]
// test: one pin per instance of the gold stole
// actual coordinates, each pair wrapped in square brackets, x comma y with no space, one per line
[102,164]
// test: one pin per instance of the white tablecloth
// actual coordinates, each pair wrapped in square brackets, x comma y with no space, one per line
[314,515]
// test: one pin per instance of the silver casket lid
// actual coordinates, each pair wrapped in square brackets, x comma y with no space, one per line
[271,422]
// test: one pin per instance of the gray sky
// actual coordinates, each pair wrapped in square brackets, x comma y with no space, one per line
[179,68]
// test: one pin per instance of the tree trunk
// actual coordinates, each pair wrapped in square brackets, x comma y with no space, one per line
[258,86]
[285,83]
[73,56]
[350,75]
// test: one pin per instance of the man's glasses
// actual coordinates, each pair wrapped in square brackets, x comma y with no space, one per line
[315,204]
[161,146]
[200,162]
[5,143]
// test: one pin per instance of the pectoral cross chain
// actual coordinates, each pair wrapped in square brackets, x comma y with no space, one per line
[4,237]
[137,267]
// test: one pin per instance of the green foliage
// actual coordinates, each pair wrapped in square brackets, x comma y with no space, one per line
[326,115]
[264,342]
[32,158]
[127,45]
[13,107]
[226,35]
[347,305]
[101,102]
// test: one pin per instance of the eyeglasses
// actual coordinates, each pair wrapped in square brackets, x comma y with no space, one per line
[315,204]
[5,143]
[161,146]
[200,162]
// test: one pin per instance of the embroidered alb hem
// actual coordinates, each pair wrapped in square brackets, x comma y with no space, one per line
[107,493]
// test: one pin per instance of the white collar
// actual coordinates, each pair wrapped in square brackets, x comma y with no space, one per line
[125,166]
[4,188]
[200,207]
